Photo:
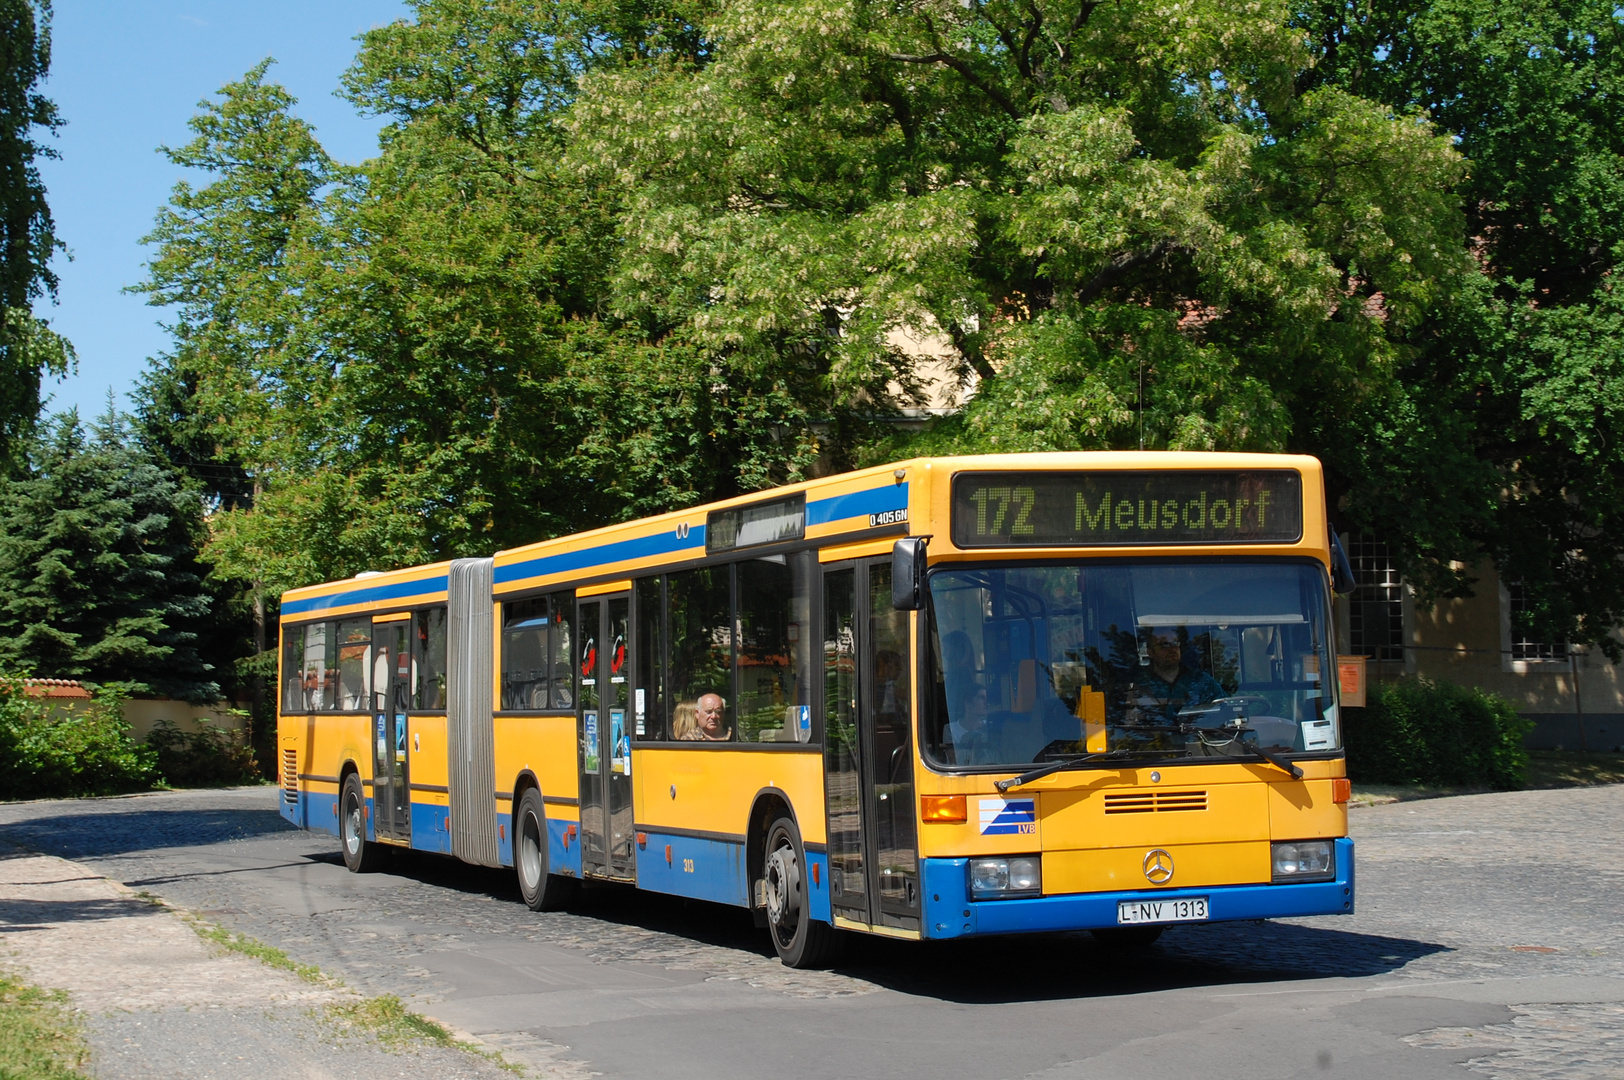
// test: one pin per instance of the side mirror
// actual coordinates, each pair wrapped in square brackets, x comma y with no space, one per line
[1342,582]
[908,574]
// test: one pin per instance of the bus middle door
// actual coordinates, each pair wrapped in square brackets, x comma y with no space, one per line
[391,784]
[603,625]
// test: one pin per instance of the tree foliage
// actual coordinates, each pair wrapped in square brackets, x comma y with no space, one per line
[99,570]
[616,257]
[28,348]
[1516,384]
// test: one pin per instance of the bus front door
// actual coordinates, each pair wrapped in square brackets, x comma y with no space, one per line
[391,785]
[868,748]
[606,764]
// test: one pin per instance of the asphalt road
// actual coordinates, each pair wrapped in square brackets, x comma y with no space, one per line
[1488,941]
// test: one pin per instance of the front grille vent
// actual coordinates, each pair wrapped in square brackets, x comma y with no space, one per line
[290,776]
[1154,802]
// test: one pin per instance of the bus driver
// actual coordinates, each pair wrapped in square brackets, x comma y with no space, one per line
[1169,686]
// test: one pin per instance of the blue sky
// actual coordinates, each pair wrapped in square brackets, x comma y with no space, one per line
[126,75]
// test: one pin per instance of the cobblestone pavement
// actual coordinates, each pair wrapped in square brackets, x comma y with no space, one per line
[1487,942]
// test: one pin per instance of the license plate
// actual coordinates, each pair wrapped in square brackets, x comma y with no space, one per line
[1191,909]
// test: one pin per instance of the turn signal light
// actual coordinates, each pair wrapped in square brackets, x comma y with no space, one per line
[945,809]
[1341,791]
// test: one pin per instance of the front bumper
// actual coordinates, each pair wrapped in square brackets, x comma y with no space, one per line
[950,913]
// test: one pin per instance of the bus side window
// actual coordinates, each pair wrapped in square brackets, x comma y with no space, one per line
[773,615]
[561,649]
[525,625]
[320,668]
[428,690]
[648,656]
[354,665]
[293,698]
[701,637]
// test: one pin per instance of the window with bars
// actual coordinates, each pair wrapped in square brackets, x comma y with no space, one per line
[1524,646]
[1376,606]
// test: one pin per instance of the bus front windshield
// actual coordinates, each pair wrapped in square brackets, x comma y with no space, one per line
[1155,660]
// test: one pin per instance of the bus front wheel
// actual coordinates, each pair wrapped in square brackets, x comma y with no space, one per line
[361,855]
[541,891]
[801,940]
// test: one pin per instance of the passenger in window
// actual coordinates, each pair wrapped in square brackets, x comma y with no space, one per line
[709,720]
[684,723]
[1169,687]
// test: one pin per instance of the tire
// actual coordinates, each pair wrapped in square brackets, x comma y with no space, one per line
[361,855]
[541,891]
[1126,938]
[800,940]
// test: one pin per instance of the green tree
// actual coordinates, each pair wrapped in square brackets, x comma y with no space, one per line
[1129,222]
[1507,437]
[28,348]
[99,574]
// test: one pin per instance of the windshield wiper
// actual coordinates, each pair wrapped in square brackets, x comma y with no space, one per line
[1274,759]
[1054,767]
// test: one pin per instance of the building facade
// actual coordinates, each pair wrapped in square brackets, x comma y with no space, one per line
[1573,694]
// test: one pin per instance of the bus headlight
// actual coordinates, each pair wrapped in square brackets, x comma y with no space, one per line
[1000,878]
[1304,860]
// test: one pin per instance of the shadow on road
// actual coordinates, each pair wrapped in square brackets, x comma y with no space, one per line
[93,833]
[988,970]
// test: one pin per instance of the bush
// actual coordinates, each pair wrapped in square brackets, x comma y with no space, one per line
[201,758]
[1416,731]
[47,753]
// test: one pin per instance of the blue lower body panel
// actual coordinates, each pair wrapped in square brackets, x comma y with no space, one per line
[950,913]
[698,868]
[563,853]
[431,828]
[817,886]
[314,810]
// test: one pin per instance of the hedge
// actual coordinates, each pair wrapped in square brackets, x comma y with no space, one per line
[1417,731]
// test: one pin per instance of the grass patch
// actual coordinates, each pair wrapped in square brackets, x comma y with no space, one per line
[387,1019]
[269,955]
[39,1039]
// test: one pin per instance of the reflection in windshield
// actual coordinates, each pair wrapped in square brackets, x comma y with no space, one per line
[1155,660]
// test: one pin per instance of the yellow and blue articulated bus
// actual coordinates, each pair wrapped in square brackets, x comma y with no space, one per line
[942,698]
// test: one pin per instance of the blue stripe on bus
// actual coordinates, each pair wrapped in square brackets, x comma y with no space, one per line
[945,885]
[699,869]
[857,504]
[365,595]
[820,512]
[641,547]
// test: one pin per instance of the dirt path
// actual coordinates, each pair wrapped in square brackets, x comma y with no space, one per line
[156,1000]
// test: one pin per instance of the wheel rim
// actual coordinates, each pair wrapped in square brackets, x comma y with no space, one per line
[530,853]
[783,874]
[352,825]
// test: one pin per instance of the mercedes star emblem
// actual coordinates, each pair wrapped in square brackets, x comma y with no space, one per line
[1158,867]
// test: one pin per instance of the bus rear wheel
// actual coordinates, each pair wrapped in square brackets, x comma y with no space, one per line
[361,855]
[541,890]
[801,940]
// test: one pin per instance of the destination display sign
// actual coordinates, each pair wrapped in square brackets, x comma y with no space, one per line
[763,523]
[1127,508]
